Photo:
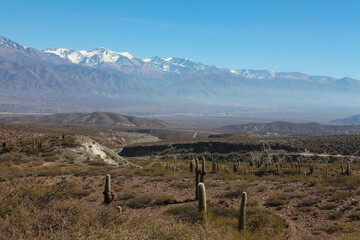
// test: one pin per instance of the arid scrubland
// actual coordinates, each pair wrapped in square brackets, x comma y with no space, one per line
[48,190]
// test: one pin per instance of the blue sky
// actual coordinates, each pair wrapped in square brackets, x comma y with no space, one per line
[315,37]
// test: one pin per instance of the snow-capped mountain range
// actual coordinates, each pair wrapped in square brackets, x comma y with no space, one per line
[61,75]
[100,56]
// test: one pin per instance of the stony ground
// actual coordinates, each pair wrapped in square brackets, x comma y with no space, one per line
[298,207]
[41,198]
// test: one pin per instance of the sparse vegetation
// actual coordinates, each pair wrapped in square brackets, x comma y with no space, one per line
[46,193]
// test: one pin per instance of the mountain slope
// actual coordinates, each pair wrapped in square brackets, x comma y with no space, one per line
[352,120]
[13,52]
[62,81]
[31,74]
[95,119]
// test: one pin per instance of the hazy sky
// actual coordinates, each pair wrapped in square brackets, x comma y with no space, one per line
[315,37]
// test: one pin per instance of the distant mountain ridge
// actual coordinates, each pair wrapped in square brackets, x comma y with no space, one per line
[105,58]
[108,78]
[95,119]
[101,56]
[352,120]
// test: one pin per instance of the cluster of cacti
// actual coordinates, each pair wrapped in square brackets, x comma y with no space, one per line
[266,164]
[202,207]
[235,168]
[258,164]
[171,168]
[109,194]
[37,143]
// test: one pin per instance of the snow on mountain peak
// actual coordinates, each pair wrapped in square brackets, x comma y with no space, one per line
[126,54]
[96,57]
[91,57]
[8,43]
[256,74]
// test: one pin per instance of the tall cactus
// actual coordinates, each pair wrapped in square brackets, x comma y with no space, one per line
[342,167]
[202,202]
[119,209]
[324,173]
[311,168]
[197,178]
[109,195]
[226,170]
[39,144]
[174,166]
[213,166]
[278,170]
[203,169]
[348,168]
[192,165]
[242,214]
